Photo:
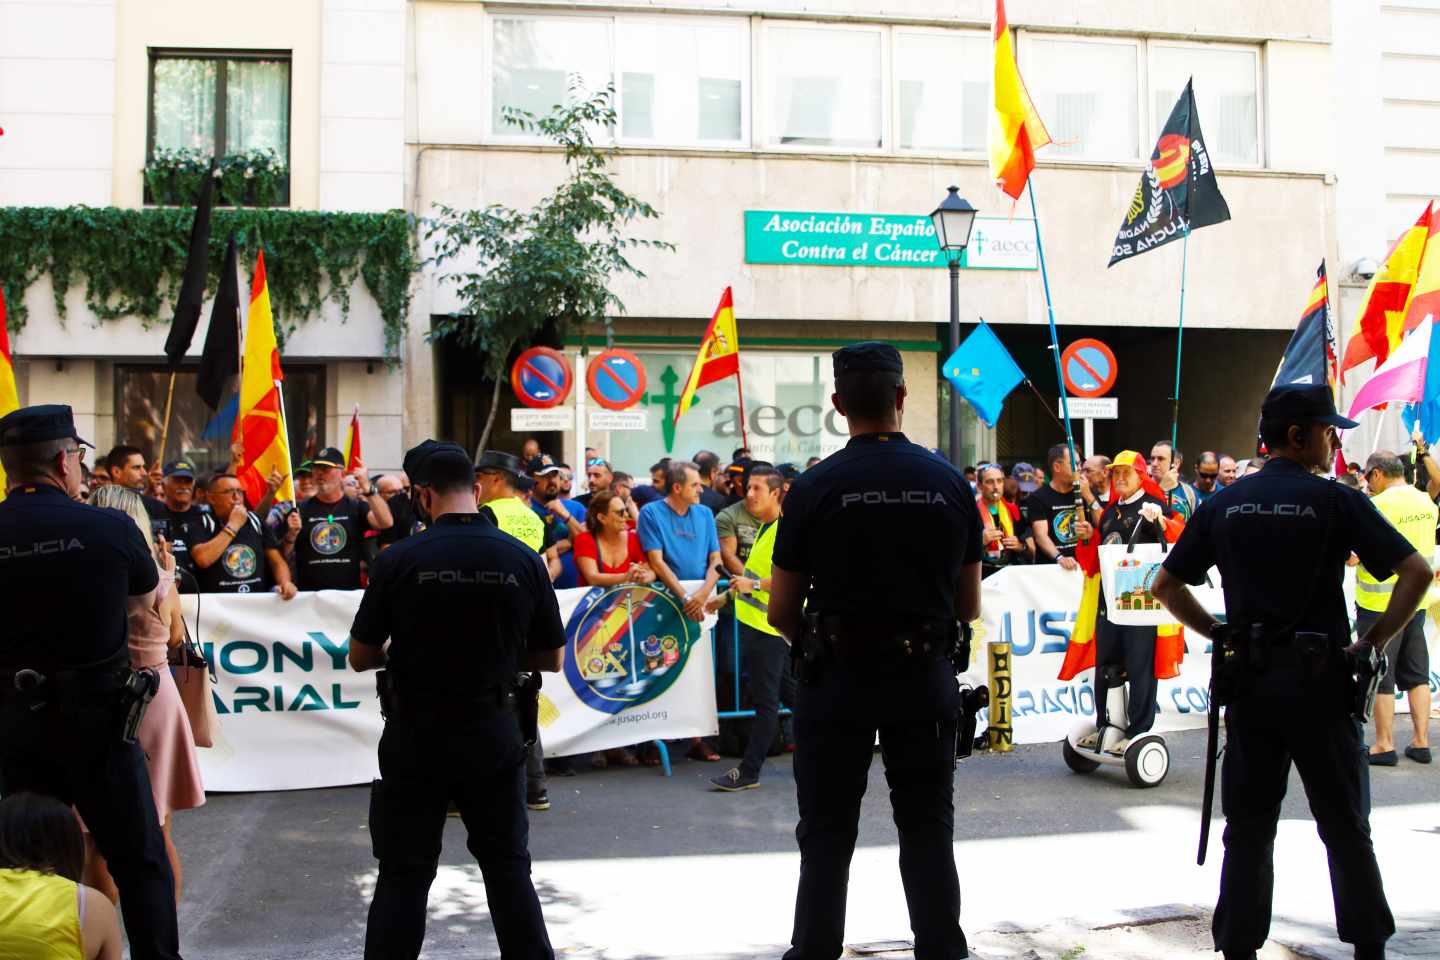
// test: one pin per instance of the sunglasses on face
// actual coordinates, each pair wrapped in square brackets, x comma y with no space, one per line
[235,492]
[1209,476]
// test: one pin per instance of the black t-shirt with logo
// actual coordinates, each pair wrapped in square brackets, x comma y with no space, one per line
[1057,511]
[331,544]
[242,567]
[184,529]
[1119,521]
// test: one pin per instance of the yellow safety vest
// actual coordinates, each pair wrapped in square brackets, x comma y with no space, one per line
[1413,513]
[515,517]
[753,608]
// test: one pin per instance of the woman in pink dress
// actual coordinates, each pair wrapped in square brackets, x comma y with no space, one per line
[165,735]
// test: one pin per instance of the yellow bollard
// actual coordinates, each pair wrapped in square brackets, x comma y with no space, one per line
[1002,728]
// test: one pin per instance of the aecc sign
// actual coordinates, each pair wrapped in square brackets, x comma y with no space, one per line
[882,240]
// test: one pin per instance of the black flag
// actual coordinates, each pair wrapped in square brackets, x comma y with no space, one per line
[221,359]
[192,285]
[1177,192]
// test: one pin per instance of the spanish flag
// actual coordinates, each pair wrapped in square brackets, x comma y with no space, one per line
[9,396]
[719,355]
[260,424]
[1169,638]
[353,458]
[1016,131]
[1384,317]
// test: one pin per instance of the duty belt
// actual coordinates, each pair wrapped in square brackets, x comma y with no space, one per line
[20,679]
[851,638]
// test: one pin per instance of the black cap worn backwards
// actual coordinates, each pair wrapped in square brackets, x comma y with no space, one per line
[500,460]
[329,457]
[1315,403]
[45,421]
[420,459]
[183,469]
[867,356]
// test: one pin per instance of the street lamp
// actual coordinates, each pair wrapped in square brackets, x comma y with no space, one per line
[953,220]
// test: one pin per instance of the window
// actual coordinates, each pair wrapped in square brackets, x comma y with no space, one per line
[682,82]
[199,433]
[220,105]
[943,90]
[1226,80]
[825,87]
[533,59]
[1087,92]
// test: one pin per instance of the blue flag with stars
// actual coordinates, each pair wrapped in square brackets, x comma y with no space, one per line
[983,372]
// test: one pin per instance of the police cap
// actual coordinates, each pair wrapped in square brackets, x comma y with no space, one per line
[45,421]
[867,356]
[1315,403]
[499,460]
[421,458]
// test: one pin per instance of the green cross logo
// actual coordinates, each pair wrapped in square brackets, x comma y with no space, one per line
[669,400]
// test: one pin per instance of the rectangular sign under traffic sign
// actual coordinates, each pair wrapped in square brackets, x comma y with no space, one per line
[619,420]
[554,418]
[799,238]
[1093,408]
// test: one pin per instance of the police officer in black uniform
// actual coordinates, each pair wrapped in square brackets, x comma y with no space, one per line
[465,607]
[881,544]
[66,570]
[1280,539]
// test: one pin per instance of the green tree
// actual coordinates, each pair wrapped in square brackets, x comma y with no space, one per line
[553,262]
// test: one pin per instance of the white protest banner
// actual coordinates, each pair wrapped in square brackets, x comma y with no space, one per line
[294,716]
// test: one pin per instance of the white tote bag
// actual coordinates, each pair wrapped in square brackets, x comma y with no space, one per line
[1127,575]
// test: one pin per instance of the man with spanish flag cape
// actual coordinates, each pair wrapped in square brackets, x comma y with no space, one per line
[1148,654]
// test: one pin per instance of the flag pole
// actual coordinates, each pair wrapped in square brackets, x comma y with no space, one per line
[165,427]
[1180,339]
[740,391]
[1054,337]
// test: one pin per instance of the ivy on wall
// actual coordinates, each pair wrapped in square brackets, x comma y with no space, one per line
[131,261]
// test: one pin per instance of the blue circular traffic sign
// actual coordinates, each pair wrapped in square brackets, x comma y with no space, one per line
[1088,367]
[542,377]
[616,379]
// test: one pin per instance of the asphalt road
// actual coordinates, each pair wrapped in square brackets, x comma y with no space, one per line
[631,864]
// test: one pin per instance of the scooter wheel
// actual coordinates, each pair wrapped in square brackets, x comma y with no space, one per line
[1147,762]
[1075,761]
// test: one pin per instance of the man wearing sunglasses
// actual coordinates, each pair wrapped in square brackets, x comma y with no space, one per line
[1207,476]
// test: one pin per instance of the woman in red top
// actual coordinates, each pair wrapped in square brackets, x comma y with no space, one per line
[608,553]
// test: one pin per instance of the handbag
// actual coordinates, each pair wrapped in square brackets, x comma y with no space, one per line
[194,680]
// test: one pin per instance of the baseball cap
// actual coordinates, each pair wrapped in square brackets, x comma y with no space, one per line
[537,467]
[1315,403]
[1129,458]
[867,356]
[44,421]
[329,457]
[304,468]
[183,469]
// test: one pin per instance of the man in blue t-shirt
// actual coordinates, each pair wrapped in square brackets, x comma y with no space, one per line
[678,537]
[564,519]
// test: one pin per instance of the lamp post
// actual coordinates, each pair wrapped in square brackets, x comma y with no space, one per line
[953,220]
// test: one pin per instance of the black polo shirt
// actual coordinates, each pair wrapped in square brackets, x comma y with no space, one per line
[242,567]
[66,570]
[1265,533]
[461,604]
[881,529]
[331,544]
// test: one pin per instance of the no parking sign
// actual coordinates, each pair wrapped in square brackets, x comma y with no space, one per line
[1088,367]
[616,379]
[542,377]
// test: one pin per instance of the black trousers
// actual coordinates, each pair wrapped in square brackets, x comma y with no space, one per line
[1134,649]
[476,759]
[1264,735]
[75,753]
[767,659]
[914,708]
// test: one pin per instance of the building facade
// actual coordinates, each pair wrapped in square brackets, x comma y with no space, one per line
[793,152]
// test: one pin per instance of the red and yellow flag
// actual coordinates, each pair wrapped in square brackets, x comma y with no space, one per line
[353,458]
[261,421]
[1016,130]
[719,355]
[9,396]
[1384,317]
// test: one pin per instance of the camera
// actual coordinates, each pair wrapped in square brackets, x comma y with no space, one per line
[1365,268]
[160,528]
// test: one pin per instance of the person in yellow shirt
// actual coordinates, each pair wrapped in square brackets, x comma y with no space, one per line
[45,912]
[1414,514]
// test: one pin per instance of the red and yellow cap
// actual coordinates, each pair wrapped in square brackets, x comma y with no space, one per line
[1131,459]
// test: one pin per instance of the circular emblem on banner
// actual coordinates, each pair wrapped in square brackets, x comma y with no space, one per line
[542,377]
[328,538]
[1172,159]
[240,561]
[1088,367]
[616,379]
[625,646]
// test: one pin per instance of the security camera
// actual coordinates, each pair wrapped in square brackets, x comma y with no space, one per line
[1365,269]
